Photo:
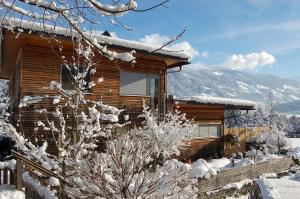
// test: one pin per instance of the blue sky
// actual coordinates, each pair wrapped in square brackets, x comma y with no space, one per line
[252,35]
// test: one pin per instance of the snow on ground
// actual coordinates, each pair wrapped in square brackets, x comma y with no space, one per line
[238,185]
[207,169]
[219,163]
[295,142]
[201,169]
[225,163]
[294,151]
[9,192]
[285,187]
[239,197]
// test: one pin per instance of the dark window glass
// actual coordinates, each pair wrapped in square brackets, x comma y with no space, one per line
[67,74]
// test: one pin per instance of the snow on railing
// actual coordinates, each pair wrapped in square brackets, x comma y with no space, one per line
[42,190]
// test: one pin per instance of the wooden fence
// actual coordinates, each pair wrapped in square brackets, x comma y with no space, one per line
[15,177]
[244,135]
[6,176]
[25,165]
[225,177]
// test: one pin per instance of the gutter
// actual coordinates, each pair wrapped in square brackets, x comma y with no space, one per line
[179,64]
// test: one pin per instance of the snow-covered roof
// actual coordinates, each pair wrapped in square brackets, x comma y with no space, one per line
[134,45]
[219,101]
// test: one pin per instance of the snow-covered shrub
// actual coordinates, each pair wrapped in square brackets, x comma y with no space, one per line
[272,139]
[169,131]
[124,171]
[295,154]
[127,168]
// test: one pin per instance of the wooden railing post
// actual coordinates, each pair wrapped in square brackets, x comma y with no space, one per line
[18,176]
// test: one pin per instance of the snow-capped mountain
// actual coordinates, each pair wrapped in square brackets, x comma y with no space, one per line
[221,82]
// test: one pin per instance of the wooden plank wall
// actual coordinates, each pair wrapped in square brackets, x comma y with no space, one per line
[201,148]
[207,114]
[202,114]
[40,66]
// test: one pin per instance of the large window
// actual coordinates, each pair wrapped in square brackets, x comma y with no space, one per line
[67,80]
[205,131]
[138,84]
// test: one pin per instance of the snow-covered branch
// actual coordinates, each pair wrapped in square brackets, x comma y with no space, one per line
[73,16]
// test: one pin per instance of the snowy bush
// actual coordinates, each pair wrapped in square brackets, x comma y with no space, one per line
[128,167]
[124,171]
[169,132]
[295,154]
[272,139]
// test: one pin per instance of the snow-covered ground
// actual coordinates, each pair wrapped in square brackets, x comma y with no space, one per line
[9,192]
[285,187]
[295,142]
[294,151]
[240,197]
[225,163]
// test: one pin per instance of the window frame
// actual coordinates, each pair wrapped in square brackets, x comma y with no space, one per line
[148,77]
[198,126]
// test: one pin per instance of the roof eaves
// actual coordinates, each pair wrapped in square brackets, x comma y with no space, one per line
[226,106]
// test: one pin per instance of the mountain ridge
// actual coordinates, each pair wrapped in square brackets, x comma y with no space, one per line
[223,82]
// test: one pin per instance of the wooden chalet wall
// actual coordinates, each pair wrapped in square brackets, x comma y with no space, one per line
[202,114]
[40,65]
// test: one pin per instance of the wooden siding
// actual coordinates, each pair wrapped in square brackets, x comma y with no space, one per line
[10,50]
[202,114]
[201,148]
[40,65]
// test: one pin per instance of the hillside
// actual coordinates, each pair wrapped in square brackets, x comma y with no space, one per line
[235,84]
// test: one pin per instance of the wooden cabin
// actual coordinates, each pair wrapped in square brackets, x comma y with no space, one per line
[31,61]
[206,139]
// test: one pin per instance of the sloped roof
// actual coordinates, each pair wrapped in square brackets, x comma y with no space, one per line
[128,44]
[227,102]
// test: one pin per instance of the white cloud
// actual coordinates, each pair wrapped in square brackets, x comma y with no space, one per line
[249,62]
[158,40]
[155,39]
